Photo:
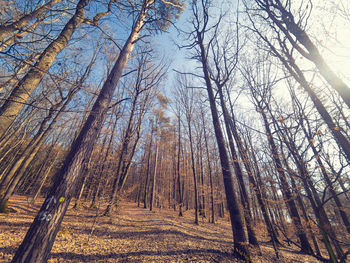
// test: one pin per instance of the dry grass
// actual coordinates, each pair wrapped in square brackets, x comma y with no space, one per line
[133,235]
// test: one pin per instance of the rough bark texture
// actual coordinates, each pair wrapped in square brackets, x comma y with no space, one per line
[21,93]
[41,235]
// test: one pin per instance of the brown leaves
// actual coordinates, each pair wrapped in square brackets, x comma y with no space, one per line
[137,235]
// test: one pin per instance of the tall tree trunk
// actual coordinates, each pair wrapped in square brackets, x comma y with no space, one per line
[284,20]
[256,187]
[102,158]
[311,192]
[287,195]
[238,171]
[194,174]
[153,189]
[18,25]
[40,237]
[19,167]
[148,169]
[179,187]
[174,173]
[20,94]
[328,181]
[209,169]
[127,164]
[298,75]
[305,215]
[122,158]
[239,236]
[201,178]
[34,142]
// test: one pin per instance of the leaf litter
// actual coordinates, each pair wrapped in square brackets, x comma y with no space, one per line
[134,234]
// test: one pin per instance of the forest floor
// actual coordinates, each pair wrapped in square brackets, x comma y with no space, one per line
[134,235]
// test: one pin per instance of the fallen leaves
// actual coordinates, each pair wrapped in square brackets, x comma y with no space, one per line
[134,235]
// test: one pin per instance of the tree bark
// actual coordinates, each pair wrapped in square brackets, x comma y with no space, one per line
[40,237]
[288,197]
[238,171]
[19,24]
[209,169]
[153,189]
[239,236]
[193,174]
[21,93]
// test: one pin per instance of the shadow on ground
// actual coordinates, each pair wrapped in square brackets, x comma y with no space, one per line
[188,252]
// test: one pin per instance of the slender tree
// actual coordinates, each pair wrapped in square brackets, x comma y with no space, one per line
[200,27]
[260,87]
[292,24]
[15,102]
[40,237]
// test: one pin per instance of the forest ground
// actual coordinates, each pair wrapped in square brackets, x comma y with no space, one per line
[134,235]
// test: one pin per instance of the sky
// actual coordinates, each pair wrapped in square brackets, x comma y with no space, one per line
[335,47]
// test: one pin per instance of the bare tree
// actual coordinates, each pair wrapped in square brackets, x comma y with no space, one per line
[260,82]
[15,102]
[41,235]
[292,25]
[200,30]
[285,54]
[186,100]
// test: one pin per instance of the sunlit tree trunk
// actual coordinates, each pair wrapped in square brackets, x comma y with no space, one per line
[281,16]
[40,237]
[21,92]
[19,24]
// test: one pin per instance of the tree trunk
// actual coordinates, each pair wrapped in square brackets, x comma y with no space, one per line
[21,93]
[153,189]
[209,169]
[194,175]
[292,30]
[311,192]
[240,239]
[179,186]
[120,173]
[19,167]
[238,171]
[257,189]
[287,195]
[328,181]
[148,169]
[41,235]
[19,24]
[298,75]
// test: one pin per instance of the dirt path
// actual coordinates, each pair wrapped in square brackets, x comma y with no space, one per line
[133,235]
